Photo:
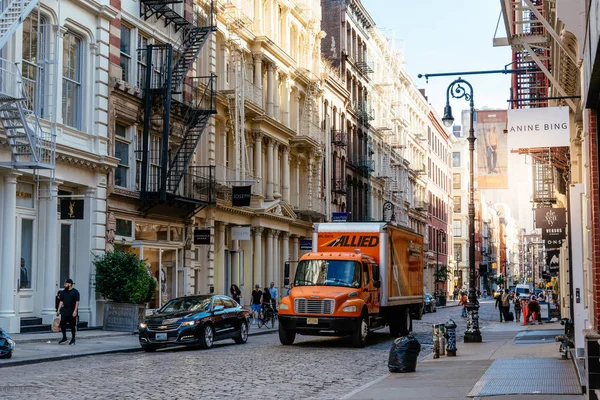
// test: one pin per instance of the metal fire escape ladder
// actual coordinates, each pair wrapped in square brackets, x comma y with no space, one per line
[161,86]
[309,106]
[203,109]
[32,146]
[13,15]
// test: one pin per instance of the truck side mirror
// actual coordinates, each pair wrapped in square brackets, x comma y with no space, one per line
[377,284]
[286,282]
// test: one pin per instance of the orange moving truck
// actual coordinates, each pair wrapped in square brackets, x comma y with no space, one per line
[359,277]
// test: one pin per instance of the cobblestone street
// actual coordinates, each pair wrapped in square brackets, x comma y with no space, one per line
[313,368]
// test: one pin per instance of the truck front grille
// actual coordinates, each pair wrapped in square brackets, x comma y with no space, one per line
[308,306]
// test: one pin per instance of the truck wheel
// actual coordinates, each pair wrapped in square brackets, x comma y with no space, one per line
[286,337]
[359,337]
[405,323]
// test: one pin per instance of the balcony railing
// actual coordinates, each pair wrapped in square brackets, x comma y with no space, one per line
[365,67]
[338,138]
[365,164]
[199,184]
[338,186]
[363,110]
[312,132]
[254,93]
[421,205]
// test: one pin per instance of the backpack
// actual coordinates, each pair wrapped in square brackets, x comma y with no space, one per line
[505,302]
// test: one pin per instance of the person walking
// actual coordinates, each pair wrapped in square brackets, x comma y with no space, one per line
[463,301]
[455,294]
[517,305]
[274,296]
[499,305]
[505,305]
[67,309]
[256,302]
[534,307]
[236,293]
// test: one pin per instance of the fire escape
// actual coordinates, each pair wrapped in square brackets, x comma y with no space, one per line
[170,179]
[532,36]
[24,100]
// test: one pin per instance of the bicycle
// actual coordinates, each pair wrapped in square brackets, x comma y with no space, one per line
[266,315]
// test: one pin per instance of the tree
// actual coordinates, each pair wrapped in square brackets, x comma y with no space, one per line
[122,278]
[441,273]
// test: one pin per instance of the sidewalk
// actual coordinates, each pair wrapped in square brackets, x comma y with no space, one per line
[34,348]
[514,360]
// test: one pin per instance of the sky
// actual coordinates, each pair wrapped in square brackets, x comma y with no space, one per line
[448,36]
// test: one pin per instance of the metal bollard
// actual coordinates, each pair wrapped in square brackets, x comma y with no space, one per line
[451,335]
[436,341]
[442,338]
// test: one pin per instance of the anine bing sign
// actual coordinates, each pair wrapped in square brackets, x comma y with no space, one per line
[538,127]
[241,195]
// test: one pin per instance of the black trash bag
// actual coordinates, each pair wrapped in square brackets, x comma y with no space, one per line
[403,354]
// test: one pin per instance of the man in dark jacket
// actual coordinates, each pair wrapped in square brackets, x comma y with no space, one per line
[67,309]
[499,305]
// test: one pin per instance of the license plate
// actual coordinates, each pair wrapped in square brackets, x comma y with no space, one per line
[312,321]
[161,336]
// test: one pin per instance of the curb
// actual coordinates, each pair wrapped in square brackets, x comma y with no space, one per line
[16,363]
[24,341]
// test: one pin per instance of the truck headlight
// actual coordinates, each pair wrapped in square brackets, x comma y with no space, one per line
[350,309]
[284,306]
[143,326]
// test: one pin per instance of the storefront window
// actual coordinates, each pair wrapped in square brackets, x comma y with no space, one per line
[176,233]
[151,232]
[26,253]
[124,227]
[24,195]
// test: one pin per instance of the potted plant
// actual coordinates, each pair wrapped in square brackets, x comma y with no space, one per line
[441,276]
[123,280]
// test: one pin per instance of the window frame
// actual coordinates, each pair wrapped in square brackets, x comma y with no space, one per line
[76,81]
[124,140]
[126,75]
[457,228]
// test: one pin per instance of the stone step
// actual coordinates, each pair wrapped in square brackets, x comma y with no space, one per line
[28,321]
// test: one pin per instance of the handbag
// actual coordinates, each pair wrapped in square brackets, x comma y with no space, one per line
[56,324]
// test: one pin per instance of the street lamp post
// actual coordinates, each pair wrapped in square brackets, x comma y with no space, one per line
[458,91]
[439,233]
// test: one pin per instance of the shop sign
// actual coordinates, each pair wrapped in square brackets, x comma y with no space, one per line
[552,261]
[240,233]
[551,218]
[538,127]
[339,217]
[552,243]
[71,209]
[201,236]
[241,196]
[305,244]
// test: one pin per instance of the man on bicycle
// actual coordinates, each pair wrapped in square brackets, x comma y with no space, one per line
[256,302]
[274,296]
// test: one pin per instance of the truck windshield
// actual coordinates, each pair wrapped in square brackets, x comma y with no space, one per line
[328,273]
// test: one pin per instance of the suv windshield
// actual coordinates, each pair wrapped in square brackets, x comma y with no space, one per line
[181,305]
[328,273]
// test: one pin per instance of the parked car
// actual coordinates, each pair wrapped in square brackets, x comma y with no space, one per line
[7,345]
[195,321]
[430,305]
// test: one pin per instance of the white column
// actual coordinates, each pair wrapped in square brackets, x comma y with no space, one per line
[269,263]
[258,260]
[51,262]
[286,175]
[285,257]
[297,194]
[286,101]
[295,255]
[270,170]
[276,173]
[276,258]
[9,321]
[276,99]
[270,79]
[298,126]
[258,69]
[258,162]
[258,18]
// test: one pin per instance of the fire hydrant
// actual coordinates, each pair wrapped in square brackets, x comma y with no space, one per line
[451,336]
[436,341]
[442,340]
